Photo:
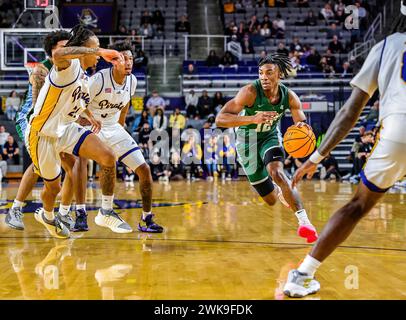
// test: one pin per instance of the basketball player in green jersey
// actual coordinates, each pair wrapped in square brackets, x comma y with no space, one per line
[255,112]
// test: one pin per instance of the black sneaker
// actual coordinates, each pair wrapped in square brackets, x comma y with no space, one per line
[81,221]
[148,225]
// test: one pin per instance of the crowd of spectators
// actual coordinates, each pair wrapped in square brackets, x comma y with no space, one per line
[9,152]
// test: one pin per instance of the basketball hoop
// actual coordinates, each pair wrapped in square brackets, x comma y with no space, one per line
[30,67]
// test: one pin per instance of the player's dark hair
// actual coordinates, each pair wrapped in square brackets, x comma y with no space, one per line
[280,59]
[79,35]
[52,39]
[121,46]
[398,25]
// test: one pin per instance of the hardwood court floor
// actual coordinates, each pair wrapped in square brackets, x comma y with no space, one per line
[220,242]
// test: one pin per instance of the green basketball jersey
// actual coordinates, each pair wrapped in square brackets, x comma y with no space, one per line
[262,104]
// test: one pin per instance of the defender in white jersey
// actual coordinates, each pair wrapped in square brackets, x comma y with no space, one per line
[52,130]
[112,89]
[384,69]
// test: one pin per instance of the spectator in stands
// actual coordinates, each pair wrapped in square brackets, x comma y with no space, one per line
[279,27]
[239,7]
[190,71]
[311,19]
[160,121]
[122,30]
[3,135]
[256,38]
[327,69]
[212,60]
[183,25]
[139,122]
[192,158]
[330,168]
[364,150]
[340,17]
[280,3]
[333,31]
[146,18]
[314,57]
[302,3]
[340,5]
[362,15]
[146,30]
[327,14]
[253,24]
[263,54]
[246,45]
[347,70]
[157,168]
[205,105]
[154,102]
[141,60]
[11,151]
[330,58]
[210,157]
[3,165]
[372,117]
[290,165]
[266,27]
[282,49]
[177,120]
[175,170]
[241,30]
[135,40]
[234,44]
[12,104]
[191,101]
[228,60]
[158,20]
[228,157]
[218,101]
[296,45]
[144,141]
[230,28]
[336,46]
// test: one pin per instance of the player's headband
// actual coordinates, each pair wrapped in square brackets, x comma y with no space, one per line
[403,7]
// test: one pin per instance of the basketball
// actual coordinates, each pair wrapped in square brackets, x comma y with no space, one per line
[299,142]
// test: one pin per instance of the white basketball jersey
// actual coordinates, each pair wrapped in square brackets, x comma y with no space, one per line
[109,97]
[64,95]
[385,69]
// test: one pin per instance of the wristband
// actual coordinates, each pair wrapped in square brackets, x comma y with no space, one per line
[316,157]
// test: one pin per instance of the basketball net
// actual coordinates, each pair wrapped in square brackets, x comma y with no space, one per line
[30,67]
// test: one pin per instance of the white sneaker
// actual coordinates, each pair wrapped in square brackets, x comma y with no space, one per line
[280,195]
[111,220]
[323,173]
[55,227]
[300,285]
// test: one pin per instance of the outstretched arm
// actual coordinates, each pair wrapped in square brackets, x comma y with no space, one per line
[229,117]
[37,80]
[338,130]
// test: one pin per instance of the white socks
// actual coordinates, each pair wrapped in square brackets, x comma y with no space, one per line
[145,214]
[17,204]
[309,266]
[107,202]
[302,218]
[64,210]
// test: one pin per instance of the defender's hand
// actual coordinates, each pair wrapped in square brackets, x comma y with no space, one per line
[308,168]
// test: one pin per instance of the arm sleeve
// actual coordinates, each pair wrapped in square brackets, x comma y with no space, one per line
[67,76]
[367,78]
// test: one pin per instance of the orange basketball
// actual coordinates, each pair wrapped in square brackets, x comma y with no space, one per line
[299,142]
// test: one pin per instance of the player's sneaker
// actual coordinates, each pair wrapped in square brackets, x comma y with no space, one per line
[148,225]
[55,227]
[66,220]
[81,221]
[14,218]
[300,285]
[306,229]
[280,195]
[110,219]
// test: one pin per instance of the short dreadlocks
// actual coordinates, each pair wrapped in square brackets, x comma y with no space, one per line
[281,60]
[79,35]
